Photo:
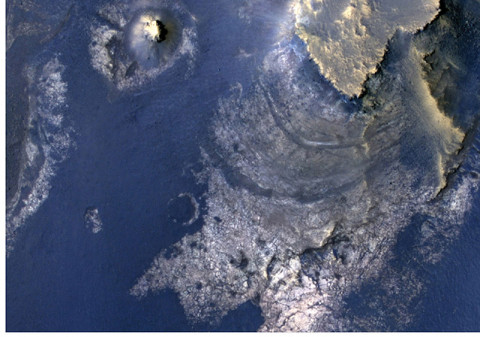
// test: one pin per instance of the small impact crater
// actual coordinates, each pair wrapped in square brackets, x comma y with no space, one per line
[183,209]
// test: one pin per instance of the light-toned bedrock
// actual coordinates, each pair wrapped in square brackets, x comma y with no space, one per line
[348,38]
[132,43]
[48,143]
[308,192]
[299,172]
[92,220]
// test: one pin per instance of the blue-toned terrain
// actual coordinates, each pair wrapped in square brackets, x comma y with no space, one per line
[243,166]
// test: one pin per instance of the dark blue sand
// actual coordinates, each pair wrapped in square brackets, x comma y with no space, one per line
[133,155]
[453,296]
[130,160]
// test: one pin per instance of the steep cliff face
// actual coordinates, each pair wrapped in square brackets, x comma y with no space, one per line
[336,146]
[347,39]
